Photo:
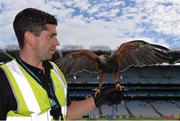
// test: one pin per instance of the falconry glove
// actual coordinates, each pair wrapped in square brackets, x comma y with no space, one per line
[108,95]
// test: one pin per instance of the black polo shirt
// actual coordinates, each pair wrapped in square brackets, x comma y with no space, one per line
[7,98]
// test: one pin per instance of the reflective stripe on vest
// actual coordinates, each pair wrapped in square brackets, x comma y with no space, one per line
[32,99]
[42,117]
[63,82]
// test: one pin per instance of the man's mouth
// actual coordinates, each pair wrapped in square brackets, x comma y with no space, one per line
[53,50]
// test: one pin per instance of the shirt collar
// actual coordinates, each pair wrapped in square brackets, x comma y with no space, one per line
[47,65]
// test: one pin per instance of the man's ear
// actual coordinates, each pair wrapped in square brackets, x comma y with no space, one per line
[28,38]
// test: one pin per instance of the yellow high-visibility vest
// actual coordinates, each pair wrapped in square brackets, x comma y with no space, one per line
[32,100]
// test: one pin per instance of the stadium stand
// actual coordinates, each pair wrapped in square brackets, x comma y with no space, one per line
[141,109]
[82,77]
[166,108]
[94,114]
[106,111]
[177,103]
[145,88]
[122,111]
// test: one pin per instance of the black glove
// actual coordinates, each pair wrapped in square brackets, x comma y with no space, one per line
[108,95]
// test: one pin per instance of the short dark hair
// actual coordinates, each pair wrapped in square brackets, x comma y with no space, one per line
[33,20]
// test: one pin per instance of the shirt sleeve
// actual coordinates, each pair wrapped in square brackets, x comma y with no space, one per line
[7,98]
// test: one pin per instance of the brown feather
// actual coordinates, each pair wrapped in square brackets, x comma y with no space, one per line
[87,53]
[140,53]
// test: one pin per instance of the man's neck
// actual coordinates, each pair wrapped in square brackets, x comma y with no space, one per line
[31,60]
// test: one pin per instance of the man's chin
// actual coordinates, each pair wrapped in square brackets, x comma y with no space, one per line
[47,58]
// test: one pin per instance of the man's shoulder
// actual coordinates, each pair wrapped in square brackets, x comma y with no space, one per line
[1,71]
[3,77]
[6,62]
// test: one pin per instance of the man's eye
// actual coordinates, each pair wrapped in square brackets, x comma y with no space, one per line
[50,37]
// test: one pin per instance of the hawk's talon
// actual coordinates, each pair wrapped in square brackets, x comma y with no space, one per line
[97,92]
[119,86]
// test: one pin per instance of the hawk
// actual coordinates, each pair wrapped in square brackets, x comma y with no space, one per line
[136,53]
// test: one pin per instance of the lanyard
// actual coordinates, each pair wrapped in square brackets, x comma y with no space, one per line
[53,102]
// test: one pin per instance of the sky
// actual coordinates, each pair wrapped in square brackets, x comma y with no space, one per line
[101,22]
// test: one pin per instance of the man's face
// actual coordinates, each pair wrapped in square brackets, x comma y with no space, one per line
[46,43]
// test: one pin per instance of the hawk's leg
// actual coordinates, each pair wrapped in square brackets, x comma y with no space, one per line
[101,79]
[101,82]
[117,79]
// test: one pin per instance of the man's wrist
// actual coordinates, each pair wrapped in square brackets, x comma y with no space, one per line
[93,101]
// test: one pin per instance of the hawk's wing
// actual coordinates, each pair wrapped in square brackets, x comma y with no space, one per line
[73,65]
[140,53]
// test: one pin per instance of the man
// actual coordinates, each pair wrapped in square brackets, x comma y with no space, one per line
[33,88]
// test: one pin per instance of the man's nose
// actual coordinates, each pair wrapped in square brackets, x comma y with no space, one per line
[57,43]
